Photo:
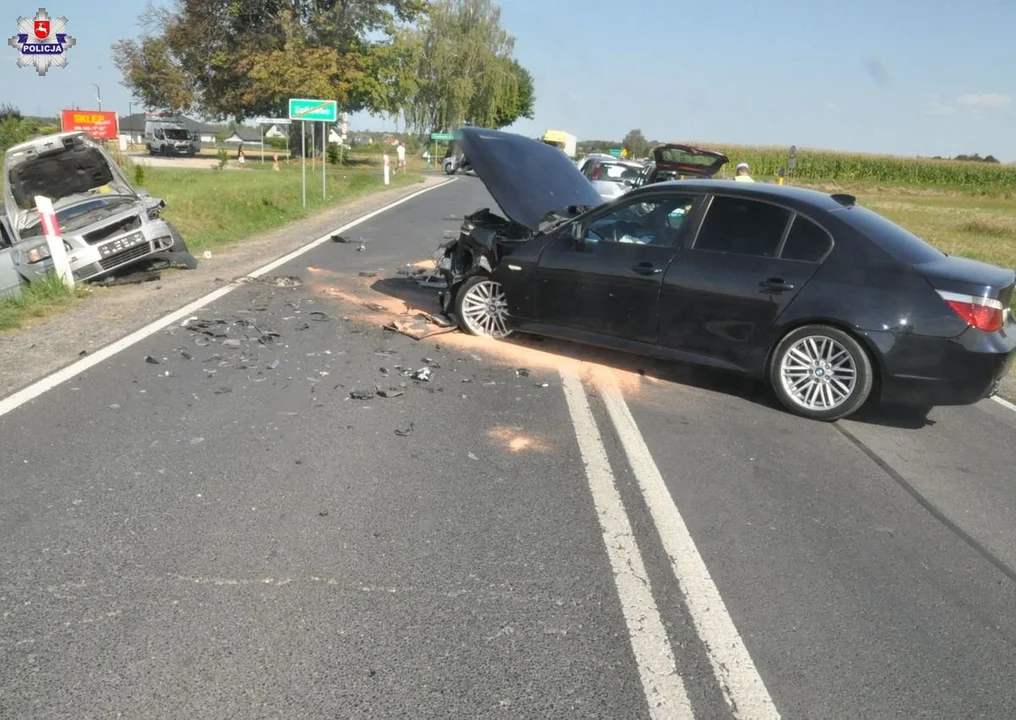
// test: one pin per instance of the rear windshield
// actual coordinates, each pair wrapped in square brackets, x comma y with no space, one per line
[613,172]
[900,243]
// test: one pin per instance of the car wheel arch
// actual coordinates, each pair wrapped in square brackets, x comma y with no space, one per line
[874,358]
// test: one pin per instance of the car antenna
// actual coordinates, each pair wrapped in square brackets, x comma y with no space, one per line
[844,199]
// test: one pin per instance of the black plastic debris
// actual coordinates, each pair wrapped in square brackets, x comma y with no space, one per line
[522,372]
[422,374]
[340,239]
[361,395]
[132,279]
[152,361]
[186,355]
[223,390]
[82,353]
[390,393]
[383,370]
[282,281]
[367,274]
[405,433]
[323,513]
[302,326]
[318,316]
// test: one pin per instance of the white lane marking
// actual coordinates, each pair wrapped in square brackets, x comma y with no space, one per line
[663,687]
[12,402]
[1003,402]
[742,686]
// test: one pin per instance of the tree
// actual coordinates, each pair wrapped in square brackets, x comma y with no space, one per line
[635,143]
[465,69]
[244,58]
[155,77]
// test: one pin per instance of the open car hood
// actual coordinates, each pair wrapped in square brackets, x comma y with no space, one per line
[526,178]
[688,160]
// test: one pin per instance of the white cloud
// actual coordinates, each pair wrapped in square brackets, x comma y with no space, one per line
[984,100]
[934,106]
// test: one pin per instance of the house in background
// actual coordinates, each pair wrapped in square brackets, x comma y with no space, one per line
[245,136]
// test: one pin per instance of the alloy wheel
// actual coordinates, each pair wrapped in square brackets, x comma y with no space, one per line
[818,373]
[485,309]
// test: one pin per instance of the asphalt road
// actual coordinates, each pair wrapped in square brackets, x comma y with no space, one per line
[208,525]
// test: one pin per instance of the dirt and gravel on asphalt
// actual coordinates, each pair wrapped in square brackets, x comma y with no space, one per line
[111,313]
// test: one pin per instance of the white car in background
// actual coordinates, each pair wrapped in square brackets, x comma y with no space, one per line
[611,176]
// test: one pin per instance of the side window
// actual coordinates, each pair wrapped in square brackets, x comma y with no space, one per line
[806,241]
[588,168]
[5,238]
[742,227]
[653,222]
[158,134]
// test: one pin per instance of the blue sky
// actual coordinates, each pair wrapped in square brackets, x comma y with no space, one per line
[911,77]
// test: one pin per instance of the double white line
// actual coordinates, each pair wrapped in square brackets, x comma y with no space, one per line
[738,679]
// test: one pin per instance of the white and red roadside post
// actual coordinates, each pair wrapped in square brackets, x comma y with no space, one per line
[54,240]
[387,170]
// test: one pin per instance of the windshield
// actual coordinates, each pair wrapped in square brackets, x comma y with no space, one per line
[177,134]
[616,172]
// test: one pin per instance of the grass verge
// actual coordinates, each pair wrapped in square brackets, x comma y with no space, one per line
[38,300]
[212,208]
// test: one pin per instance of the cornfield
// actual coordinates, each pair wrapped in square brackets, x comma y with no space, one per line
[824,165]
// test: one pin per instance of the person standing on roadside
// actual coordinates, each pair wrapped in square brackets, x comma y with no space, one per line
[400,154]
[741,173]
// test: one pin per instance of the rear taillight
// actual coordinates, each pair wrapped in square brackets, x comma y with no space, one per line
[982,313]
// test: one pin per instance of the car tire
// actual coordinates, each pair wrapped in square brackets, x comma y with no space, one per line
[178,252]
[481,308]
[821,373]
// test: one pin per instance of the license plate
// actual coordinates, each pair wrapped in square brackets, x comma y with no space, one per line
[121,244]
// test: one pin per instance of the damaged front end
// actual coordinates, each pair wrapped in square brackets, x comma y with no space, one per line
[484,239]
[107,227]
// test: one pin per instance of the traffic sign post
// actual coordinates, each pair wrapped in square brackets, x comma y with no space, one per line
[792,160]
[324,157]
[311,110]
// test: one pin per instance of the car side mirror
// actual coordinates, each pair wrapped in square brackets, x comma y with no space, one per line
[578,233]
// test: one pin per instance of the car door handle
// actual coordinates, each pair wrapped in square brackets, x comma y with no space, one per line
[646,268]
[775,285]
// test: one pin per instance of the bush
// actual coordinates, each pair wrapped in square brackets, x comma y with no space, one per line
[334,154]
[276,143]
[139,176]
[223,158]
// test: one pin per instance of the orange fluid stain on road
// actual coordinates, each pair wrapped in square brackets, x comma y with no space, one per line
[512,351]
[514,440]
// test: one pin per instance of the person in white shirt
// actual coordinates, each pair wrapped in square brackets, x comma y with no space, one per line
[400,153]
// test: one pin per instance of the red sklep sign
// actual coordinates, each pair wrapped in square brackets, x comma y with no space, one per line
[100,125]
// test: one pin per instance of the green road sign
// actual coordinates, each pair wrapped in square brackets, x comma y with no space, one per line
[615,152]
[442,136]
[317,110]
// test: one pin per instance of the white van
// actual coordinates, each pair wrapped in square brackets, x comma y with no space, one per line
[167,135]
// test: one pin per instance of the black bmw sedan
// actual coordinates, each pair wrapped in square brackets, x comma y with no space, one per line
[829,302]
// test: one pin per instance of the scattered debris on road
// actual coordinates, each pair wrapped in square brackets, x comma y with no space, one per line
[406,432]
[367,274]
[423,374]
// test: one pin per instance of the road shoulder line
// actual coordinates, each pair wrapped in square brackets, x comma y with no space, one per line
[661,683]
[739,679]
[47,383]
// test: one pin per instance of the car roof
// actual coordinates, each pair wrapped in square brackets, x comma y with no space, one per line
[762,191]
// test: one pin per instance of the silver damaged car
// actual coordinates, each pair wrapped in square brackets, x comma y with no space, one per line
[106,225]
